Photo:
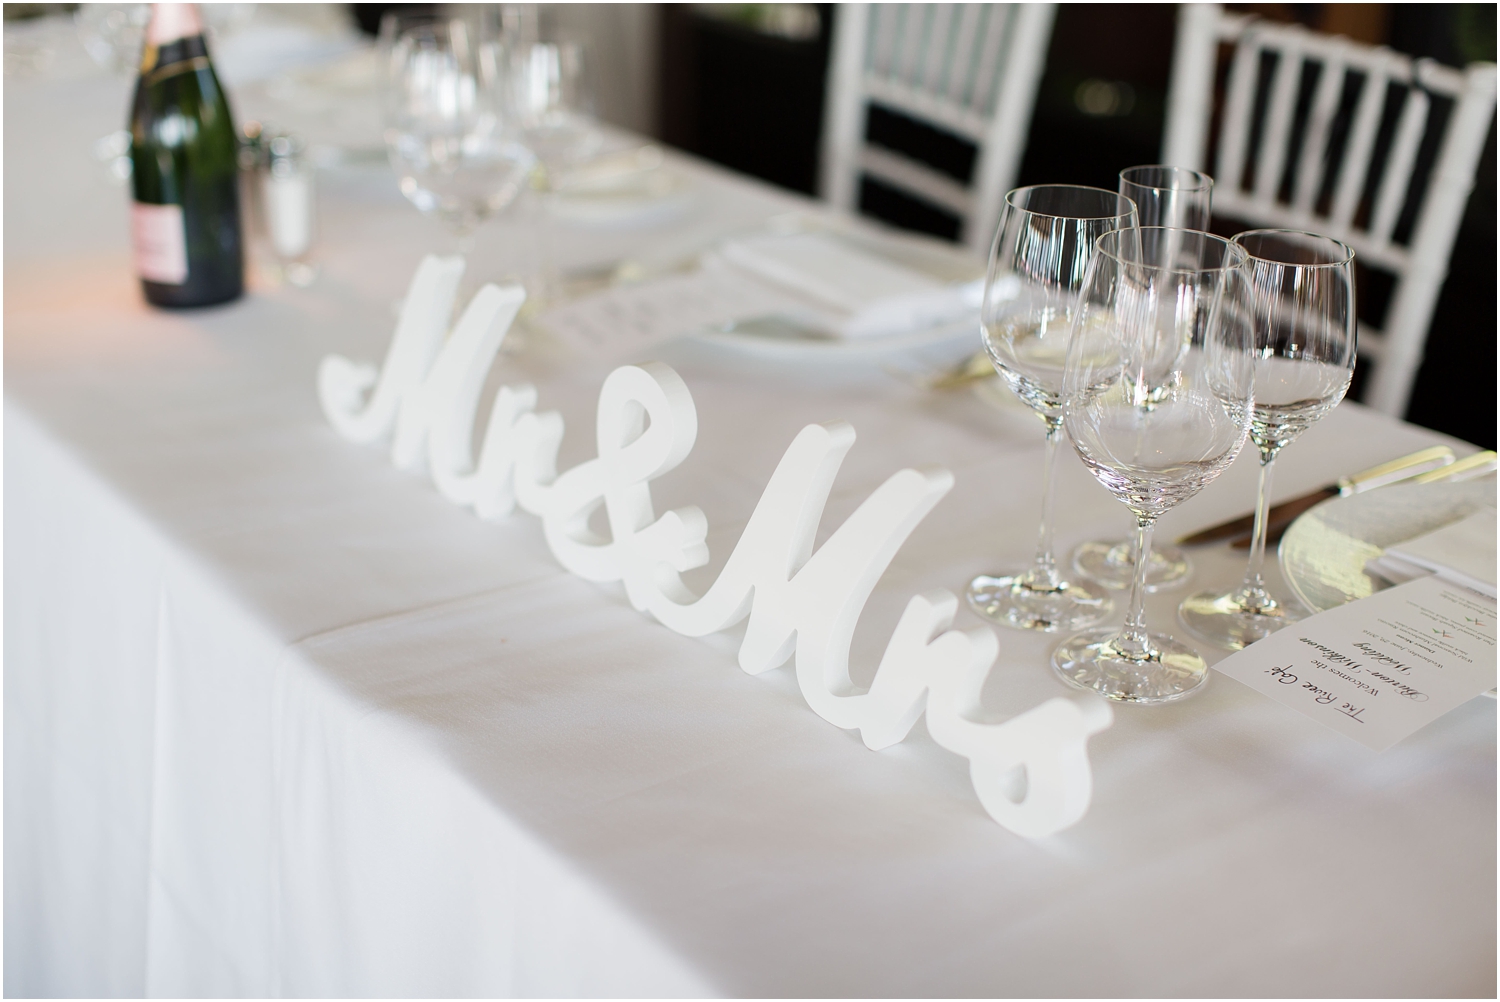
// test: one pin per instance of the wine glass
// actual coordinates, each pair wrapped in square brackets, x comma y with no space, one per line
[550,97]
[549,89]
[1157,395]
[446,128]
[1163,196]
[112,34]
[1046,237]
[1301,296]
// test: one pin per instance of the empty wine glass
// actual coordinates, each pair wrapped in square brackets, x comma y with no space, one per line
[1301,303]
[446,127]
[1163,196]
[1046,237]
[1157,402]
[112,34]
[552,101]
[553,105]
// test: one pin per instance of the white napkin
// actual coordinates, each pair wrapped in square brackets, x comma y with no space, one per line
[877,296]
[617,322]
[1463,553]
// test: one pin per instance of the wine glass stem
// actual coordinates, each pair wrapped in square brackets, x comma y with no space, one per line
[548,281]
[1133,636]
[1253,594]
[1044,568]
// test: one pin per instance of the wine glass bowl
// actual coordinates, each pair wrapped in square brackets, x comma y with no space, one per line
[1046,237]
[1037,265]
[550,98]
[1157,397]
[1300,301]
[113,33]
[1169,196]
[447,134]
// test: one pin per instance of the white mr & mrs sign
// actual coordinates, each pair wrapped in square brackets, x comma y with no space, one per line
[798,602]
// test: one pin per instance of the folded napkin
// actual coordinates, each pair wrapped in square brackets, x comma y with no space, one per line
[873,296]
[1463,553]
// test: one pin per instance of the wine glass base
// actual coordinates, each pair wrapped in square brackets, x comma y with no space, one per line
[1016,602]
[1092,661]
[1113,565]
[1227,621]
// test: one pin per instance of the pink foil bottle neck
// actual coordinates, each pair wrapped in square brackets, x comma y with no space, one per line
[173,21]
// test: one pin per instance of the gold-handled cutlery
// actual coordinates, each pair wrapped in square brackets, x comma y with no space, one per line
[1278,517]
[1465,469]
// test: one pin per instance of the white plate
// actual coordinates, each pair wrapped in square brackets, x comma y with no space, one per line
[782,338]
[650,197]
[1324,552]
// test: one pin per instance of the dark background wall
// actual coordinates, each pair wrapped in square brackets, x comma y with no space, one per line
[752,99]
[744,96]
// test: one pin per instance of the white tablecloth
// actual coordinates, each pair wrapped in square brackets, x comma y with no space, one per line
[279,720]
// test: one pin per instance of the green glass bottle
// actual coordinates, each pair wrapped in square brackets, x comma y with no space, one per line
[185,220]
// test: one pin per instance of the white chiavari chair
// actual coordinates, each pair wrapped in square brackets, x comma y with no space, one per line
[968,69]
[1297,150]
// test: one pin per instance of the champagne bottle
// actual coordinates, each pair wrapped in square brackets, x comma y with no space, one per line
[185,220]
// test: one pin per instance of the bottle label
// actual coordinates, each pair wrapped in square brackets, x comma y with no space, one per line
[160,240]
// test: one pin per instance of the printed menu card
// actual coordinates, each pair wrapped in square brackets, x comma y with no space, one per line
[1381,668]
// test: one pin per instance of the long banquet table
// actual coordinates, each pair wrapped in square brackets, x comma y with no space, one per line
[280,720]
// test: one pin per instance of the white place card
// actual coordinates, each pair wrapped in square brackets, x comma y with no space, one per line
[1381,668]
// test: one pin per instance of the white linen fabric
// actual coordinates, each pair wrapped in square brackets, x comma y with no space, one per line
[279,720]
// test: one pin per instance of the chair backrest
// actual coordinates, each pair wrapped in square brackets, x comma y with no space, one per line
[970,70]
[1321,133]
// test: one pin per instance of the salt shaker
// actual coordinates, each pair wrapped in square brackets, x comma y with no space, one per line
[288,201]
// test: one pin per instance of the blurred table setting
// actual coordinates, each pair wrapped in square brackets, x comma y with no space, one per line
[280,719]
